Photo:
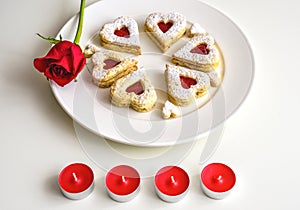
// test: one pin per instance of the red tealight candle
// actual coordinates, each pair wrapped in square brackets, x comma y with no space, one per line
[122,183]
[217,180]
[76,181]
[171,183]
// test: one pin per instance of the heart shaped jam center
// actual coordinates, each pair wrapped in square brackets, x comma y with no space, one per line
[200,49]
[122,32]
[164,27]
[110,63]
[187,82]
[137,88]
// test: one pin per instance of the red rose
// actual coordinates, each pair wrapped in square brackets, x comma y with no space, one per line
[63,62]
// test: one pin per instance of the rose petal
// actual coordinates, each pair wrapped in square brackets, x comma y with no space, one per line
[61,81]
[78,59]
[59,50]
[41,63]
[65,62]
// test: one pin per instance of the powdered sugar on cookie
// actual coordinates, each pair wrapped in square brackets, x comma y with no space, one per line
[119,66]
[108,31]
[170,110]
[178,21]
[165,29]
[215,78]
[185,52]
[90,50]
[184,96]
[143,101]
[121,35]
[196,29]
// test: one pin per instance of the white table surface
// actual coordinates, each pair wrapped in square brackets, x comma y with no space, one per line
[260,141]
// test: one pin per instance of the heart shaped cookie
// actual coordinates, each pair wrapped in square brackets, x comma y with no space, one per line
[199,53]
[134,90]
[110,66]
[165,29]
[184,85]
[121,35]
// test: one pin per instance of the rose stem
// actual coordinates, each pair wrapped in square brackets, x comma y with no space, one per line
[80,23]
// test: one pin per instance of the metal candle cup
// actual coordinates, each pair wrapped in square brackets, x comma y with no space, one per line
[76,181]
[171,183]
[217,180]
[122,183]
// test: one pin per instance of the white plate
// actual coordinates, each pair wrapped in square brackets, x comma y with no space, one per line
[90,107]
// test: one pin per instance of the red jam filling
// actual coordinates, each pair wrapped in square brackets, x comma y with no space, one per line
[200,49]
[122,32]
[137,88]
[110,63]
[187,82]
[164,27]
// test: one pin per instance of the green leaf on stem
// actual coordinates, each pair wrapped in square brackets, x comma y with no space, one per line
[50,39]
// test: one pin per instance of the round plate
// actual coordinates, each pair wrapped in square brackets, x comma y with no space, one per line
[90,106]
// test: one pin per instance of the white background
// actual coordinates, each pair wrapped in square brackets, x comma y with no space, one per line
[260,141]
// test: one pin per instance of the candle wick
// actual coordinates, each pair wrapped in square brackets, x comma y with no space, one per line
[124,179]
[219,179]
[75,177]
[173,180]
